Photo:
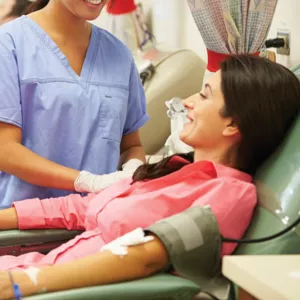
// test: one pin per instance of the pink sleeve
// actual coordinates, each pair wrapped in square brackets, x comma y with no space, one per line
[232,202]
[63,212]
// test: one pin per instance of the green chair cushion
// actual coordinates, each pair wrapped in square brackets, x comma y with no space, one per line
[278,184]
[160,286]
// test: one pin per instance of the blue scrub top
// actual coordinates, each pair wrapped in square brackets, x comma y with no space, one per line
[76,121]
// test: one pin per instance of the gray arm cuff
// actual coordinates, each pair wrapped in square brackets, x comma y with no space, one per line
[193,241]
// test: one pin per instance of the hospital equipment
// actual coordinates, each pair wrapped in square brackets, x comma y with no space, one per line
[177,113]
[16,288]
[175,106]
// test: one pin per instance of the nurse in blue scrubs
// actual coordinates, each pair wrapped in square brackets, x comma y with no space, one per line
[70,100]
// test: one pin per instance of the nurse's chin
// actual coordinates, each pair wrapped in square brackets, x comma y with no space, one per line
[91,11]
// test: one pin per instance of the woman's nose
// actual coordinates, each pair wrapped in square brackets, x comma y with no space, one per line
[188,103]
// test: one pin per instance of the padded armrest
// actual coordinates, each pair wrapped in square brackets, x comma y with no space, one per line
[21,237]
[161,286]
[16,242]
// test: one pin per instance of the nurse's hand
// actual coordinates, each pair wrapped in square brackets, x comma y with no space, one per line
[91,183]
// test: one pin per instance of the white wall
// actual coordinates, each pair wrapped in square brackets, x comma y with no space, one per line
[287,15]
[101,21]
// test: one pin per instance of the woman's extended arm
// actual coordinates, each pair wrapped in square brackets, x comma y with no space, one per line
[193,250]
[63,212]
[98,269]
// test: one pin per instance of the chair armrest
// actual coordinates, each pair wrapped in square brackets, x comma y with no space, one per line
[160,286]
[16,242]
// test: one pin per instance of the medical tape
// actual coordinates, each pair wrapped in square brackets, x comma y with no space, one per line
[32,273]
[120,245]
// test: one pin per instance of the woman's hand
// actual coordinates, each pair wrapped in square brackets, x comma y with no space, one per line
[20,278]
[6,290]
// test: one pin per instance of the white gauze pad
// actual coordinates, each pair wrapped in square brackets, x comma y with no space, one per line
[32,273]
[120,245]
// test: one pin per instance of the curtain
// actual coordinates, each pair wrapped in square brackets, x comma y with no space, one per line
[232,26]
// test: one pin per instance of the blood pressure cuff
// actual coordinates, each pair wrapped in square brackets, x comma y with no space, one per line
[193,242]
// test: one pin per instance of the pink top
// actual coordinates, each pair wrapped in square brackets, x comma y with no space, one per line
[124,207]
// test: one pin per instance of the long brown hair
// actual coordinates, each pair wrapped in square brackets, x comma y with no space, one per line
[164,167]
[263,98]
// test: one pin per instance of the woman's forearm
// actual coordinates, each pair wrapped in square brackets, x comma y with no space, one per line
[98,269]
[21,162]
[8,219]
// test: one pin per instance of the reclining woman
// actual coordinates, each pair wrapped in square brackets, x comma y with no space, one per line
[234,124]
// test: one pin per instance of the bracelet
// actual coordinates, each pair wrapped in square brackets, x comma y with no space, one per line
[16,288]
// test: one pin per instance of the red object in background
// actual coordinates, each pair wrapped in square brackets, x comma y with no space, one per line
[120,7]
[214,59]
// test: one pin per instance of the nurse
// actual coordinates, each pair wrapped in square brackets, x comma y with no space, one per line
[71,100]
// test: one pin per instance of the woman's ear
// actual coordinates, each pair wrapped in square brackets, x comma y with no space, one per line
[231,128]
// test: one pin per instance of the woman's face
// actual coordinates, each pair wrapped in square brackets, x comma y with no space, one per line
[205,127]
[84,9]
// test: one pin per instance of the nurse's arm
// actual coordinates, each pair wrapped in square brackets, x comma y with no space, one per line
[131,147]
[97,269]
[21,162]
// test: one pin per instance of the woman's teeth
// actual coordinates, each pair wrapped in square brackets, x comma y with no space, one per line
[96,2]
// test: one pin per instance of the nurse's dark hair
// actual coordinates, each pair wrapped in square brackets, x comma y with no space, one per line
[263,99]
[40,4]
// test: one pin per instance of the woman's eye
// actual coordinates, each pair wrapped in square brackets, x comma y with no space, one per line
[202,96]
